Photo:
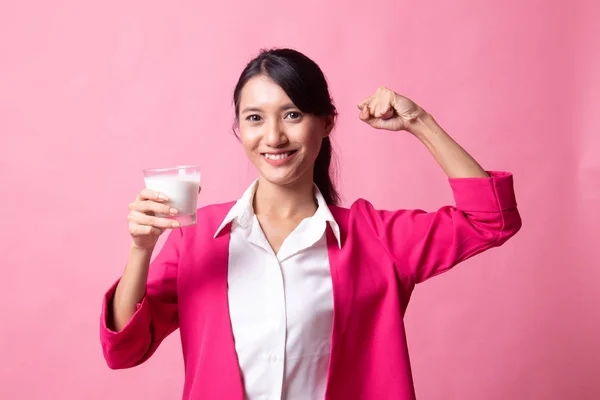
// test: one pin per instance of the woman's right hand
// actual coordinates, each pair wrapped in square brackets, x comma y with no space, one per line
[144,226]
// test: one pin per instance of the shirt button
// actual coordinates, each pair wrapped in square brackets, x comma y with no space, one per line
[273,359]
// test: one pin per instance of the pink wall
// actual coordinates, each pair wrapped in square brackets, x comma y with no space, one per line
[92,92]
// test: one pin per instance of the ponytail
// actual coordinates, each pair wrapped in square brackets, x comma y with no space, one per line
[323,174]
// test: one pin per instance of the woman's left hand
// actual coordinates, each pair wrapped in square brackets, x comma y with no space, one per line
[389,110]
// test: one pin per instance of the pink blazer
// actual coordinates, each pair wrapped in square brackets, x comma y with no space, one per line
[383,255]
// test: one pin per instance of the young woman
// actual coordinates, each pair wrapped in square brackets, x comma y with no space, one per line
[283,294]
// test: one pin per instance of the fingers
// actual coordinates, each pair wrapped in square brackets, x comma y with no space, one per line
[152,207]
[386,112]
[365,102]
[136,230]
[382,105]
[143,214]
[145,226]
[379,107]
[147,194]
[365,113]
[141,219]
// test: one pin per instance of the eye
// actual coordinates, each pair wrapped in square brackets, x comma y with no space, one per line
[293,115]
[253,118]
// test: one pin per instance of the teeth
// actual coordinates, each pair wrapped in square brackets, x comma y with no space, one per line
[277,156]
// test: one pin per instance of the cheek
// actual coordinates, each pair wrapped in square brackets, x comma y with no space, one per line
[314,140]
[249,139]
[315,146]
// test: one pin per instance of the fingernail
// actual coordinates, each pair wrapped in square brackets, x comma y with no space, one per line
[173,211]
[162,197]
[175,225]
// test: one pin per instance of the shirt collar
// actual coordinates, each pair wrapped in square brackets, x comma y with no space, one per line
[243,213]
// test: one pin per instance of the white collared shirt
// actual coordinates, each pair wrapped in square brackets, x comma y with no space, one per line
[281,305]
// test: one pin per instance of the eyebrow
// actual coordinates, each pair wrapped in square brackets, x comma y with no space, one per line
[288,106]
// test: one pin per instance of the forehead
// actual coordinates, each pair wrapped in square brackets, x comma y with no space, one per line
[262,91]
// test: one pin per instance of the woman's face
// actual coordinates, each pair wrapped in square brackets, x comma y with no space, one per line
[280,140]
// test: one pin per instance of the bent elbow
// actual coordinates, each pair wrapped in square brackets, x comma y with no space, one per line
[124,356]
[512,223]
[117,362]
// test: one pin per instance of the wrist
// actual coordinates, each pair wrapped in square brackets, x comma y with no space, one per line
[140,251]
[422,125]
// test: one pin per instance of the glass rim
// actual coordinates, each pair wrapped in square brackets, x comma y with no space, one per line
[172,169]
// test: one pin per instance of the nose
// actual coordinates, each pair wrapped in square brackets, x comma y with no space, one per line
[275,135]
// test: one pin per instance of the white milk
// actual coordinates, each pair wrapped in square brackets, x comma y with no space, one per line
[182,191]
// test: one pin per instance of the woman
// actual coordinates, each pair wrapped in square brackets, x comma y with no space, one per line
[284,294]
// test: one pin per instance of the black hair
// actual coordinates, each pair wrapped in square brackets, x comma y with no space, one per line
[304,83]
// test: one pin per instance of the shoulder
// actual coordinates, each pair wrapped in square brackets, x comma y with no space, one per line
[363,208]
[214,213]
[216,208]
[363,212]
[347,211]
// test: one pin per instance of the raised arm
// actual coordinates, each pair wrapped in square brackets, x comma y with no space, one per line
[485,215]
[389,110]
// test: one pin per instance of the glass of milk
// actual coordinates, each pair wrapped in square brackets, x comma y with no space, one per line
[181,185]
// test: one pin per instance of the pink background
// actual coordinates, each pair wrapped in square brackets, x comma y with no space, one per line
[92,92]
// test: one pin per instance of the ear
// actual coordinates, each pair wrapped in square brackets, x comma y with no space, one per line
[329,122]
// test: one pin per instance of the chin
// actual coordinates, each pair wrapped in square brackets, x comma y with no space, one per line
[279,180]
[281,176]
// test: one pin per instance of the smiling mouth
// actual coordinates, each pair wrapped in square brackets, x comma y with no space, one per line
[278,156]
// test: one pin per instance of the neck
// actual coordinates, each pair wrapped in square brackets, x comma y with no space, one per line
[291,201]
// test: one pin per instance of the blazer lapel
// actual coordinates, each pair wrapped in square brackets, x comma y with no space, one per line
[204,309]
[343,287]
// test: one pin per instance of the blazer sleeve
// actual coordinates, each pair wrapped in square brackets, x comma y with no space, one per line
[425,244]
[156,315]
